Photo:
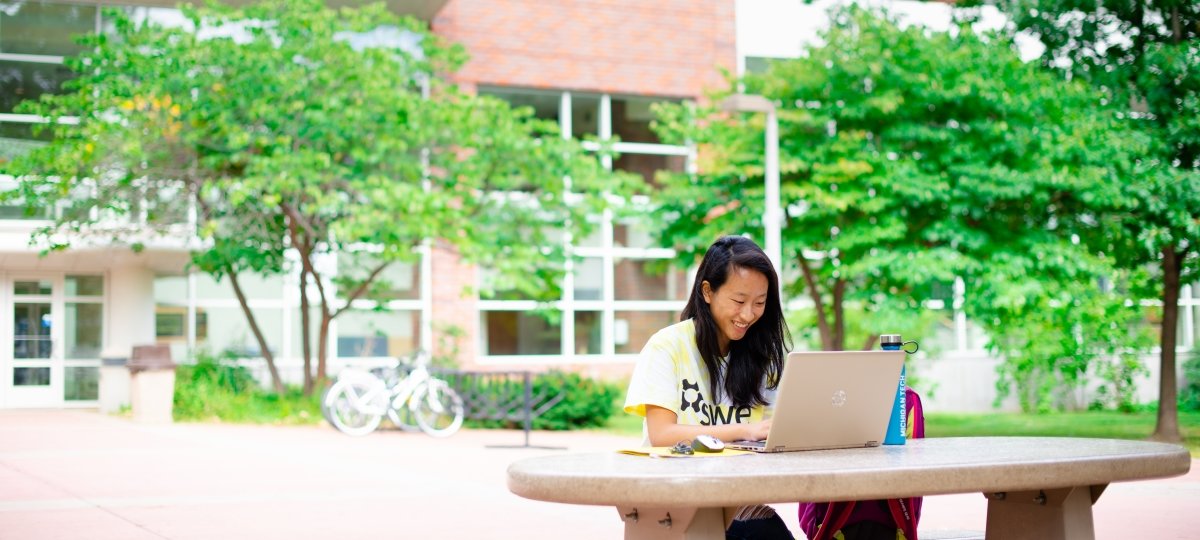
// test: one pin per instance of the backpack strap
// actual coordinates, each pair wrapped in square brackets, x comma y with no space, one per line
[905,517]
[836,516]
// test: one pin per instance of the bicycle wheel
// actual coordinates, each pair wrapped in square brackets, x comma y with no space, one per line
[350,408]
[403,417]
[439,409]
[325,404]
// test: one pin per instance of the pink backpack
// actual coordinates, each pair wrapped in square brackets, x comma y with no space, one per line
[822,521]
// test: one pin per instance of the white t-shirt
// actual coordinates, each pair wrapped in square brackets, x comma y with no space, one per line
[670,373]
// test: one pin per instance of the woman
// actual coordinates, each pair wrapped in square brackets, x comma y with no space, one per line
[715,372]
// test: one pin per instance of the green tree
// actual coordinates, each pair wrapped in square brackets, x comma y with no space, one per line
[290,128]
[909,157]
[1146,56]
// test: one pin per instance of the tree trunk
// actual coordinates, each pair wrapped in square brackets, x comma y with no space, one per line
[305,338]
[276,382]
[814,293]
[1167,427]
[323,345]
[839,315]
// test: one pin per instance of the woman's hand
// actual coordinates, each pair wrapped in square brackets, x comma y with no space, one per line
[757,431]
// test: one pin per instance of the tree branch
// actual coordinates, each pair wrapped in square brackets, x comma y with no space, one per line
[362,287]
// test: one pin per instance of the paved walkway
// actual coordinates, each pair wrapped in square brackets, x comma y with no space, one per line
[82,475]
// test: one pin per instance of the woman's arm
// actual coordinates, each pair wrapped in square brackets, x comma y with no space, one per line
[663,429]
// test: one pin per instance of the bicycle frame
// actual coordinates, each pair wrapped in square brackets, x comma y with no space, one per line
[402,393]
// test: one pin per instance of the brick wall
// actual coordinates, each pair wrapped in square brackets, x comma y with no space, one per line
[663,47]
[451,306]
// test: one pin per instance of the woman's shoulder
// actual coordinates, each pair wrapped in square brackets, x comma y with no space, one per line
[680,332]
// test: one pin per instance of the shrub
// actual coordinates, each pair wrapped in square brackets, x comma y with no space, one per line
[216,388]
[585,402]
[1189,397]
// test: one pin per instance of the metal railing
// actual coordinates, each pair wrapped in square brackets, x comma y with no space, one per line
[506,396]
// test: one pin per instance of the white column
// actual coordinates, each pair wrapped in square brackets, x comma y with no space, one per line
[129,322]
[567,328]
[773,217]
[130,309]
[608,263]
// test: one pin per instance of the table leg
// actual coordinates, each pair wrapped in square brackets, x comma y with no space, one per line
[1064,513]
[675,523]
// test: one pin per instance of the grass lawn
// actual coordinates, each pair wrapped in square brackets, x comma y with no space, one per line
[1104,424]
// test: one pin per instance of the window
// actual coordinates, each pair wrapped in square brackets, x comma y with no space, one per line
[363,334]
[587,332]
[633,233]
[253,285]
[84,329]
[44,28]
[84,286]
[622,282]
[631,118]
[648,165]
[31,376]
[650,279]
[20,81]
[544,105]
[589,279]
[31,330]
[170,323]
[18,139]
[81,383]
[397,281]
[585,116]
[229,333]
[520,333]
[632,329]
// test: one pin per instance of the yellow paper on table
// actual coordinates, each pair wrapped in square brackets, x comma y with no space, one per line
[665,451]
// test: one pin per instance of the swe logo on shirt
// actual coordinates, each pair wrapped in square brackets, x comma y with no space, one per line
[693,399]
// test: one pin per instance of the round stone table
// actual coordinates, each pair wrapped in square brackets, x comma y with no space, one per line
[1037,487]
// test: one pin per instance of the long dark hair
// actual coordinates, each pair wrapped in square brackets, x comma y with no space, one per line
[760,354]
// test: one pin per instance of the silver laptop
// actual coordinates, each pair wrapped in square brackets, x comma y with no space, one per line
[832,400]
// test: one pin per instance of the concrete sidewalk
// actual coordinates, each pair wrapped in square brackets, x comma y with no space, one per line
[82,475]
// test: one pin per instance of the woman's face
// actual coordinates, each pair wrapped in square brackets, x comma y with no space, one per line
[737,304]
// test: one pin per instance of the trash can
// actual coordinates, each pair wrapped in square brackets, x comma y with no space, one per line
[114,383]
[152,384]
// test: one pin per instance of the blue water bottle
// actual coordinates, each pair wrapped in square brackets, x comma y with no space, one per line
[898,423]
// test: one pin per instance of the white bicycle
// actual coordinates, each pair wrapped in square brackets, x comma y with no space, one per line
[358,401]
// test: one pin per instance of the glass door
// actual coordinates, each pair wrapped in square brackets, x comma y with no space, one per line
[31,363]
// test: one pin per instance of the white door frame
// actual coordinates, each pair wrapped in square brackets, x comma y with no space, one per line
[50,395]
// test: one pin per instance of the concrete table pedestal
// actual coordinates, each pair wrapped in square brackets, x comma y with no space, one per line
[1064,513]
[675,522]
